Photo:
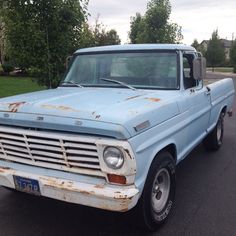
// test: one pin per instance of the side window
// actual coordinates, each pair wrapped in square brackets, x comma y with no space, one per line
[189,81]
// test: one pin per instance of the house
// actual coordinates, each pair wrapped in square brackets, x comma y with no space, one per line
[226,44]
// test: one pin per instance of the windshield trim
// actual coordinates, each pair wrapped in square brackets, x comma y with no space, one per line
[177,52]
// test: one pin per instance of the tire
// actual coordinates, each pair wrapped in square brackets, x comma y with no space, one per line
[158,195]
[214,140]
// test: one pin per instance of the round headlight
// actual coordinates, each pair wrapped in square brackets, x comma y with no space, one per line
[113,157]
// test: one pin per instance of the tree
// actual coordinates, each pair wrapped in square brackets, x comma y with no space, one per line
[136,26]
[154,26]
[198,47]
[2,41]
[233,55]
[98,36]
[42,33]
[195,44]
[215,52]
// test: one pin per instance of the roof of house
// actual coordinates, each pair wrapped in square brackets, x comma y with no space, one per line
[225,42]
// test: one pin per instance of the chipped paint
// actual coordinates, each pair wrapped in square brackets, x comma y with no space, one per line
[13,107]
[97,117]
[128,153]
[61,108]
[130,98]
[153,99]
[99,186]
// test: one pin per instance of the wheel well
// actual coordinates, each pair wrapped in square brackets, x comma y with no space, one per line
[171,148]
[224,110]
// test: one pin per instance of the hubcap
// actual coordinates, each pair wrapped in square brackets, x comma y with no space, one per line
[160,190]
[219,130]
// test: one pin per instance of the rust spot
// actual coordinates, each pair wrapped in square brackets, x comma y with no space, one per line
[5,168]
[99,186]
[125,210]
[130,98]
[61,108]
[120,197]
[153,99]
[128,153]
[97,117]
[13,107]
[86,192]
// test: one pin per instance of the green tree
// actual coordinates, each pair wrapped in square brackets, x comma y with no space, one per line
[198,47]
[98,35]
[136,26]
[233,55]
[215,53]
[2,41]
[41,33]
[154,26]
[195,44]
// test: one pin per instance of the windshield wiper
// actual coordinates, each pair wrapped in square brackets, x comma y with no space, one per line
[119,82]
[73,83]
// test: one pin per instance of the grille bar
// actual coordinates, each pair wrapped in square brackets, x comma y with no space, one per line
[53,150]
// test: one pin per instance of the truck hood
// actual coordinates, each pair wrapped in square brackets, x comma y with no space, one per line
[92,110]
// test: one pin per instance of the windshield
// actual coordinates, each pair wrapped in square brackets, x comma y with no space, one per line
[157,70]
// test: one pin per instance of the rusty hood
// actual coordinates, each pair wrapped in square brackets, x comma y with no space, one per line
[100,111]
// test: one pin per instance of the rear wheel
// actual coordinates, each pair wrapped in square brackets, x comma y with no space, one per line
[159,191]
[214,140]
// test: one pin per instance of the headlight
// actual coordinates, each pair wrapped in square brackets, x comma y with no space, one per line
[113,157]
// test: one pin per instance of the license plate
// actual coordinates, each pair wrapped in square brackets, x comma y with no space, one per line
[27,185]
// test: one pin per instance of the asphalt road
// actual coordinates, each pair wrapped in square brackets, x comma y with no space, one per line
[205,202]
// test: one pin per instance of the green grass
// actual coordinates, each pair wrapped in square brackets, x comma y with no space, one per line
[17,85]
[222,69]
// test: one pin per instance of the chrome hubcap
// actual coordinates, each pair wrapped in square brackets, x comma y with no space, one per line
[219,131]
[160,190]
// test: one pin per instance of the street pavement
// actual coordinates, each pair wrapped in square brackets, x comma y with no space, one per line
[205,202]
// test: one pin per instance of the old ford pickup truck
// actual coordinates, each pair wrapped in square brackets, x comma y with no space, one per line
[110,136]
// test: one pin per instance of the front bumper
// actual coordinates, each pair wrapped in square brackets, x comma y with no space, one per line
[102,195]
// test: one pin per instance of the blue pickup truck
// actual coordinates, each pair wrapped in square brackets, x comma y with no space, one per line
[112,133]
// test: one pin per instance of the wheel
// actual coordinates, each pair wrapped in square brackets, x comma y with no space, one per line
[158,195]
[214,140]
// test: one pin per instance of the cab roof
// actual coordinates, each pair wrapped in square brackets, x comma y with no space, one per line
[136,47]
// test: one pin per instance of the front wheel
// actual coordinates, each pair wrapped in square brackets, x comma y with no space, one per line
[214,140]
[159,191]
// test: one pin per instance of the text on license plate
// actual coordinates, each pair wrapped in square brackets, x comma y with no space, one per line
[27,185]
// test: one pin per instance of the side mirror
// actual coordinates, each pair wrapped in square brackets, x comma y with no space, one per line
[68,61]
[199,68]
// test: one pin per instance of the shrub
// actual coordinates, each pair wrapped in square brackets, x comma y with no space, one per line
[7,67]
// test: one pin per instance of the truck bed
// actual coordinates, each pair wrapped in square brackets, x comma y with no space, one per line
[210,81]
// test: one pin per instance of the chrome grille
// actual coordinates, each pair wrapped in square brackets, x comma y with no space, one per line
[59,151]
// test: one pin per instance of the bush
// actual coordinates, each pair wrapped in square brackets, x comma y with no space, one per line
[7,67]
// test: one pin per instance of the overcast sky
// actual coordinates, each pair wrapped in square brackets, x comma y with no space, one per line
[198,18]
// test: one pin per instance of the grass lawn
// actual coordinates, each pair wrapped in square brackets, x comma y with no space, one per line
[16,85]
[222,69]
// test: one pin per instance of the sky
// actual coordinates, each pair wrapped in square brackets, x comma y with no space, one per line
[198,18]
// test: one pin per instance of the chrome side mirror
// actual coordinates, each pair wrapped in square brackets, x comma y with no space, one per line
[199,68]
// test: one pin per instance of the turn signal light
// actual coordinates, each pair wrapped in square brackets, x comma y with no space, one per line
[116,179]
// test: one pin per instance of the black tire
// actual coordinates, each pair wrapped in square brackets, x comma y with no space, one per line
[155,203]
[214,140]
